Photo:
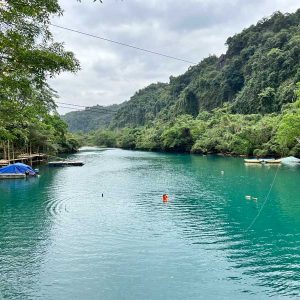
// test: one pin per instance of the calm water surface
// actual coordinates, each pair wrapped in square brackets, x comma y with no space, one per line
[59,239]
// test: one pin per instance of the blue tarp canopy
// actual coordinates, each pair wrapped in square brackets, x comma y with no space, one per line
[17,168]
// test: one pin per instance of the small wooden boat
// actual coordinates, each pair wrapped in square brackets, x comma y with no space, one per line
[66,163]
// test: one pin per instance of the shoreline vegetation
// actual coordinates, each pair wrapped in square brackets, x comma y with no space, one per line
[217,132]
[244,102]
[29,56]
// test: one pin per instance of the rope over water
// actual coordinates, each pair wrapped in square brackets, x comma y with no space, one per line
[263,205]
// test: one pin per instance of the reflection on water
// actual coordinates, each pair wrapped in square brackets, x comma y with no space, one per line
[60,239]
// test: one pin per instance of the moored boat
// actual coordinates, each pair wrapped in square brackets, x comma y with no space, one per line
[16,171]
[12,176]
[253,161]
[262,161]
[272,161]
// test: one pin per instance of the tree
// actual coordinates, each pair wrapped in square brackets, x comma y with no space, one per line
[28,57]
[105,138]
[289,129]
[28,54]
[266,98]
[178,136]
[288,133]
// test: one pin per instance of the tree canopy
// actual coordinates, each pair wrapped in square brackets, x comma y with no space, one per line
[28,57]
[257,74]
[242,103]
[217,131]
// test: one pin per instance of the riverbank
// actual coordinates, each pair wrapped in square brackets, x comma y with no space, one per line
[288,160]
[219,132]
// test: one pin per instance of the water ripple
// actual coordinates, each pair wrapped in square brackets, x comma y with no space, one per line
[60,239]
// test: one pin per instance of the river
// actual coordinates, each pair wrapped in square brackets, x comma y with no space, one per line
[60,239]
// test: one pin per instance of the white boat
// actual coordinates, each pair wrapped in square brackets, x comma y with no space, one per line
[253,161]
[262,161]
[272,161]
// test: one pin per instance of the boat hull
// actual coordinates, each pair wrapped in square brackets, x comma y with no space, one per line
[275,161]
[12,176]
[253,161]
[262,161]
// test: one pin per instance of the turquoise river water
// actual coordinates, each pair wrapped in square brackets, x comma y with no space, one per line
[60,239]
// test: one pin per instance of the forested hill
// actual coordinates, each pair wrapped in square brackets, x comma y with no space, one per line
[92,118]
[257,74]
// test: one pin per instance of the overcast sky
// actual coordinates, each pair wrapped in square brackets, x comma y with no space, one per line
[188,29]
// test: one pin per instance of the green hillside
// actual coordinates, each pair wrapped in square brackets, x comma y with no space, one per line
[245,102]
[91,118]
[257,74]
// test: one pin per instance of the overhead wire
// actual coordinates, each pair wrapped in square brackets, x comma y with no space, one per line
[86,107]
[264,203]
[93,109]
[100,109]
[118,43]
[123,44]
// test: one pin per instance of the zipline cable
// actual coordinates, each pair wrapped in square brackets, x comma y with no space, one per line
[123,44]
[95,110]
[86,107]
[263,205]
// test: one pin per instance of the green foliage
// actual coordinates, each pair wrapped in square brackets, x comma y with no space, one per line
[238,103]
[143,107]
[257,74]
[218,131]
[150,138]
[28,57]
[105,138]
[288,134]
[178,136]
[127,138]
[90,119]
[28,53]
[266,100]
[71,143]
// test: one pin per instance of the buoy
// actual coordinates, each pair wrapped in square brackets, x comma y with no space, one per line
[248,197]
[222,172]
[102,194]
[165,198]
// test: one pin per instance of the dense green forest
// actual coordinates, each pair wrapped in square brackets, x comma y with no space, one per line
[243,102]
[217,131]
[28,57]
[257,74]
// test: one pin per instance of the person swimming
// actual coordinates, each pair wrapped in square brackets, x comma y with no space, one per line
[165,197]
